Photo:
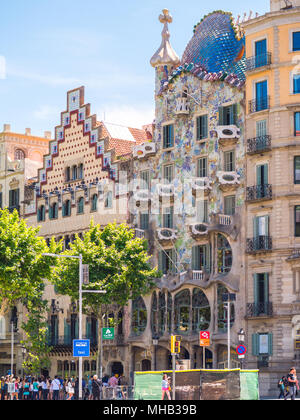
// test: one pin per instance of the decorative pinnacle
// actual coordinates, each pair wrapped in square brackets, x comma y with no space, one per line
[165,55]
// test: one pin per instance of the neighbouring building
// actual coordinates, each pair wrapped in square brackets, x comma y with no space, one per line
[273,194]
[20,157]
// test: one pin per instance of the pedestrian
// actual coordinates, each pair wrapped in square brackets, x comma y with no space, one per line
[45,389]
[40,388]
[165,387]
[26,390]
[282,387]
[35,389]
[55,388]
[90,388]
[70,389]
[105,380]
[2,382]
[122,384]
[113,383]
[96,388]
[292,387]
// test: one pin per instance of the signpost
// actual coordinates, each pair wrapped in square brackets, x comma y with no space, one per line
[108,333]
[228,298]
[204,342]
[81,348]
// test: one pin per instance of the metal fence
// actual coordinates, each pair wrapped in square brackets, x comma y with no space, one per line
[122,392]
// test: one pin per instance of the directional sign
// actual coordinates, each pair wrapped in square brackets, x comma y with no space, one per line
[108,333]
[204,338]
[241,350]
[81,348]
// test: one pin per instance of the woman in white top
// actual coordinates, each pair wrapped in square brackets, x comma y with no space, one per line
[165,387]
[70,389]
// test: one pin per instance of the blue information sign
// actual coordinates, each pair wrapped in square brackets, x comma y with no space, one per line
[81,348]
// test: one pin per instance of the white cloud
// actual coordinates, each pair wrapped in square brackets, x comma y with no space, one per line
[127,115]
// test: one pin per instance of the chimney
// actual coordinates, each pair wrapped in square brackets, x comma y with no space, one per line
[28,131]
[47,135]
[6,128]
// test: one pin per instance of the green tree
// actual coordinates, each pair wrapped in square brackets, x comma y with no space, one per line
[118,264]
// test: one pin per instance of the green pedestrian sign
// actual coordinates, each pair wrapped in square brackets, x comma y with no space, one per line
[108,333]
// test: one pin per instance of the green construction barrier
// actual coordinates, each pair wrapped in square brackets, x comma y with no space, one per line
[249,389]
[203,384]
[147,386]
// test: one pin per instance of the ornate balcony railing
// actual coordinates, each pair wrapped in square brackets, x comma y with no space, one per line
[259,192]
[260,243]
[257,61]
[259,144]
[261,104]
[259,309]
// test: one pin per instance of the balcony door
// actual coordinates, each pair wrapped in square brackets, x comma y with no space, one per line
[261,293]
[261,95]
[262,180]
[261,53]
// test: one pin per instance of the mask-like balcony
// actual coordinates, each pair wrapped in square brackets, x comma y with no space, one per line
[199,230]
[228,180]
[182,106]
[166,234]
[144,150]
[228,134]
[166,190]
[201,184]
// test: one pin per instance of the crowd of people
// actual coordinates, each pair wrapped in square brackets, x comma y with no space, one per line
[31,388]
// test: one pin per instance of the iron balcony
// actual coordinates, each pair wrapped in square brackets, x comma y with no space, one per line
[259,309]
[259,144]
[257,61]
[259,192]
[256,105]
[259,244]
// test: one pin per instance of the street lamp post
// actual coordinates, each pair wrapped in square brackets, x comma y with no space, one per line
[80,308]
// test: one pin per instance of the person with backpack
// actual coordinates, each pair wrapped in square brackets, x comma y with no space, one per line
[292,384]
[282,383]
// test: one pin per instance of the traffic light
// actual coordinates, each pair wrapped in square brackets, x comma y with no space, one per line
[175,344]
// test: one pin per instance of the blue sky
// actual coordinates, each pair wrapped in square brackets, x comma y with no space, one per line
[52,46]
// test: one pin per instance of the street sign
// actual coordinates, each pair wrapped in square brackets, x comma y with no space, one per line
[241,350]
[85,273]
[108,333]
[81,348]
[228,297]
[204,338]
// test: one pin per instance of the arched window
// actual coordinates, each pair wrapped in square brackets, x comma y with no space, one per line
[53,211]
[67,208]
[41,214]
[19,154]
[94,202]
[154,314]
[224,255]
[222,310]
[139,316]
[201,311]
[182,311]
[80,205]
[2,328]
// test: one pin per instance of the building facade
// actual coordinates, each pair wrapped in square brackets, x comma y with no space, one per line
[272,196]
